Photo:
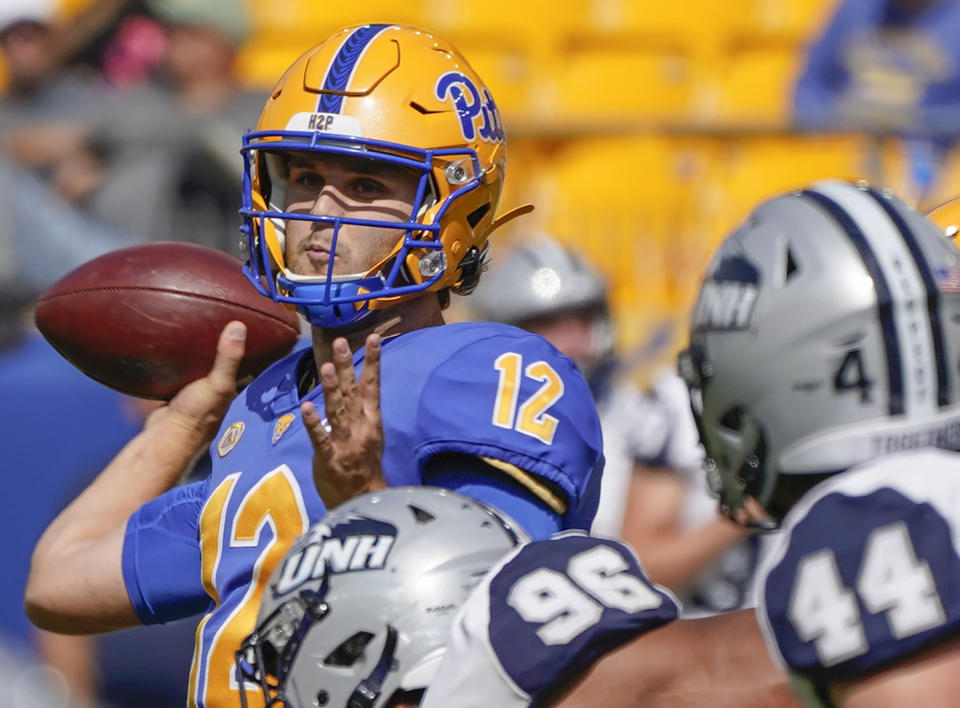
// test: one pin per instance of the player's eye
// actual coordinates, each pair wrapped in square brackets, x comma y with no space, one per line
[368,188]
[308,180]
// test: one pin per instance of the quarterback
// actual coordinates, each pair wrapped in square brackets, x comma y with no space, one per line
[370,189]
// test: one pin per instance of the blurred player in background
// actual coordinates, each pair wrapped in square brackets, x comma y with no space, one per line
[653,493]
[371,188]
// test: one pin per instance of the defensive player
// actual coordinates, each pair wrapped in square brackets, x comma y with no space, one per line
[370,190]
[822,363]
[360,610]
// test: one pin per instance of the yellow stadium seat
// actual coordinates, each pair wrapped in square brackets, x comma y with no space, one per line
[688,22]
[751,169]
[318,19]
[616,82]
[792,21]
[535,22]
[755,85]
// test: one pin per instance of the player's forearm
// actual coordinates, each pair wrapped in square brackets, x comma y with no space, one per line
[75,583]
[677,559]
[718,661]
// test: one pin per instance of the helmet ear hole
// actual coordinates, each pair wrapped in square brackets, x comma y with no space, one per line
[791,268]
[351,649]
[733,419]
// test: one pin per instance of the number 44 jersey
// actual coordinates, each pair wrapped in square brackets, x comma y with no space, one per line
[867,571]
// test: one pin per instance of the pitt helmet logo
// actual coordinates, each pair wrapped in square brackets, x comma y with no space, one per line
[230,438]
[281,426]
[355,544]
[472,107]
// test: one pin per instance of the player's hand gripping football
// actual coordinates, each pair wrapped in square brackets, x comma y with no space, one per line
[347,459]
[199,406]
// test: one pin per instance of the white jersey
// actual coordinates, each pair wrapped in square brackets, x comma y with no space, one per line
[657,429]
[867,570]
[542,617]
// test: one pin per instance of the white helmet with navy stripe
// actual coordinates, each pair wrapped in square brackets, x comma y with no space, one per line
[360,609]
[823,336]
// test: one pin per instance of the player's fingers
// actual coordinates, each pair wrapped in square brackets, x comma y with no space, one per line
[230,349]
[333,401]
[315,429]
[343,361]
[370,378]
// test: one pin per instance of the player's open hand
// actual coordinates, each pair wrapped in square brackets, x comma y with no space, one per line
[201,405]
[347,459]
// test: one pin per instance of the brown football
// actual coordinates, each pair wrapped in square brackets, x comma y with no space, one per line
[145,320]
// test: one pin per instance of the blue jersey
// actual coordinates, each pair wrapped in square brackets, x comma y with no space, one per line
[480,389]
[867,572]
[542,617]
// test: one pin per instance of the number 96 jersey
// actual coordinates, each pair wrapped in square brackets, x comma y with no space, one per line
[542,617]
[867,571]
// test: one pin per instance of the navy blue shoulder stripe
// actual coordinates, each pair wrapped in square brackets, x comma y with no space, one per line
[342,66]
[884,300]
[933,295]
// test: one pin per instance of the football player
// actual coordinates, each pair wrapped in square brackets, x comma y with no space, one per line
[359,612]
[822,364]
[370,190]
[653,494]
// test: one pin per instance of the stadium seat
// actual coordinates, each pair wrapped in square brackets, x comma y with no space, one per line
[689,22]
[318,19]
[754,85]
[617,82]
[788,22]
[532,22]
[750,169]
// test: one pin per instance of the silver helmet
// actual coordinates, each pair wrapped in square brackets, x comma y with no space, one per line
[361,606]
[824,334]
[541,278]
[538,276]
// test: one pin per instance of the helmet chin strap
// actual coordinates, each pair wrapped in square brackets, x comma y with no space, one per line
[368,690]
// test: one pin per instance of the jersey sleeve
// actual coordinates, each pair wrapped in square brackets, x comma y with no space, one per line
[515,399]
[161,556]
[542,617]
[858,582]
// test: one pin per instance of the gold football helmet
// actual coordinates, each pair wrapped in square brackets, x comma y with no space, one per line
[394,94]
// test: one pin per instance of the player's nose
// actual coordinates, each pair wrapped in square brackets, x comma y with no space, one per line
[329,202]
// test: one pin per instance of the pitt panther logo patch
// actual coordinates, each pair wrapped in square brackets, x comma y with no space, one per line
[472,107]
[355,544]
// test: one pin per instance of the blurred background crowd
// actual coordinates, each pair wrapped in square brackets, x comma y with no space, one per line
[643,131]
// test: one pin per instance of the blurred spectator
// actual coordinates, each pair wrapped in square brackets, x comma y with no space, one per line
[36,86]
[884,62]
[42,236]
[653,492]
[889,65]
[151,154]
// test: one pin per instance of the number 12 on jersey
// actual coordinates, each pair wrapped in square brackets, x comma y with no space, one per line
[531,417]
